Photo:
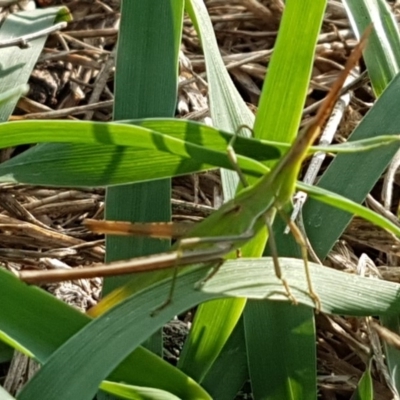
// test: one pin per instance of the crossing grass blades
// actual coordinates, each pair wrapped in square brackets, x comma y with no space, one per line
[228,228]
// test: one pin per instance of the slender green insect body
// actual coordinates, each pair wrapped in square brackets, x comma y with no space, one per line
[256,206]
[275,189]
[241,218]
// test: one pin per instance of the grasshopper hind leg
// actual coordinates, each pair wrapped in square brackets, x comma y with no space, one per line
[214,269]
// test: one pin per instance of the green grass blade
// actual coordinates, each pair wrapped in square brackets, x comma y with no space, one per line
[289,71]
[340,292]
[146,67]
[383,61]
[184,138]
[228,111]
[227,108]
[102,165]
[350,207]
[355,180]
[296,338]
[269,331]
[365,386]
[200,350]
[17,64]
[115,339]
[161,140]
[135,392]
[40,323]
[225,378]
[122,328]
[278,118]
[382,54]
[146,85]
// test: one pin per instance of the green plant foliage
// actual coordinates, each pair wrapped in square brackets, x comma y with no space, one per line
[17,64]
[364,388]
[291,363]
[39,334]
[121,153]
[123,327]
[272,341]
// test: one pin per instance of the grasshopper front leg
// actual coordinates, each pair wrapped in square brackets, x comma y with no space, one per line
[301,241]
[274,254]
[223,244]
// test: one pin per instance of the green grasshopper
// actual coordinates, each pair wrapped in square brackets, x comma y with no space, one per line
[232,225]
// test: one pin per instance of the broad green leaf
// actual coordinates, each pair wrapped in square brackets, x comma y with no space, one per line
[39,324]
[365,386]
[115,339]
[146,86]
[136,392]
[122,328]
[340,292]
[296,337]
[78,165]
